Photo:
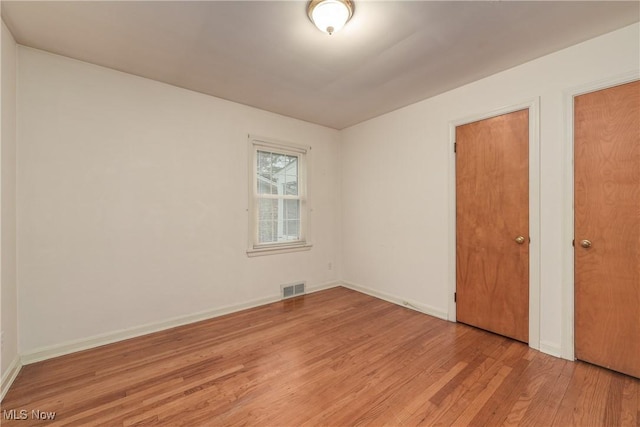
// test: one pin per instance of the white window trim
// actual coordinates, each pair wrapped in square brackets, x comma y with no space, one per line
[255,248]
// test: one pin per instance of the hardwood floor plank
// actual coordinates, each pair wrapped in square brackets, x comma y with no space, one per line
[541,392]
[483,397]
[496,409]
[591,406]
[630,406]
[334,358]
[467,386]
[613,404]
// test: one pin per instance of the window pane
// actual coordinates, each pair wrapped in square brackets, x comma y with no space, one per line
[291,188]
[291,178]
[267,221]
[264,176]
[291,209]
[264,164]
[278,220]
[267,209]
[290,220]
[267,231]
[293,230]
[266,187]
[277,174]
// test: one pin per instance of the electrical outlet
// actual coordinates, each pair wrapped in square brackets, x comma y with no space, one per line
[330,266]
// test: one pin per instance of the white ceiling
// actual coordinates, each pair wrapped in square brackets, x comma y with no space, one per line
[267,54]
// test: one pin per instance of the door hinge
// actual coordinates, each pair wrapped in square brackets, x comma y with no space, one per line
[455,297]
[573,243]
[455,146]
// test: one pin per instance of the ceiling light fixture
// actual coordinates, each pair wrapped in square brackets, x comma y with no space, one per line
[330,15]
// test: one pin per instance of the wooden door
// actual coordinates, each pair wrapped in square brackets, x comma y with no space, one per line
[607,227]
[492,224]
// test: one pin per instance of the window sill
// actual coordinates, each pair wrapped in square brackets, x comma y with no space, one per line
[278,250]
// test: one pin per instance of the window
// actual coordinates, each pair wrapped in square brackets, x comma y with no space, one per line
[278,203]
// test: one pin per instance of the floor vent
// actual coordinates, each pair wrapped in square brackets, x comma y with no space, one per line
[294,290]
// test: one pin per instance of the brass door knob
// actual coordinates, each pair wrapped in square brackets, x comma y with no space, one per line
[520,240]
[585,244]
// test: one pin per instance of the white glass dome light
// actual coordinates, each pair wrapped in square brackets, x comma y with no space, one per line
[330,15]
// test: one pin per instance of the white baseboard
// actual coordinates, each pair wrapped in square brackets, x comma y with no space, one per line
[9,376]
[550,348]
[328,285]
[426,309]
[49,352]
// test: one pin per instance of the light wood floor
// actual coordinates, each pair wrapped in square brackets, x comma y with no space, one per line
[336,358]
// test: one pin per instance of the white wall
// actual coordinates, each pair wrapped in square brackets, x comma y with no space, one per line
[9,317]
[396,170]
[132,199]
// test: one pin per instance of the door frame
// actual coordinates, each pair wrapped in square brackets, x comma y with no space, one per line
[533,105]
[568,223]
